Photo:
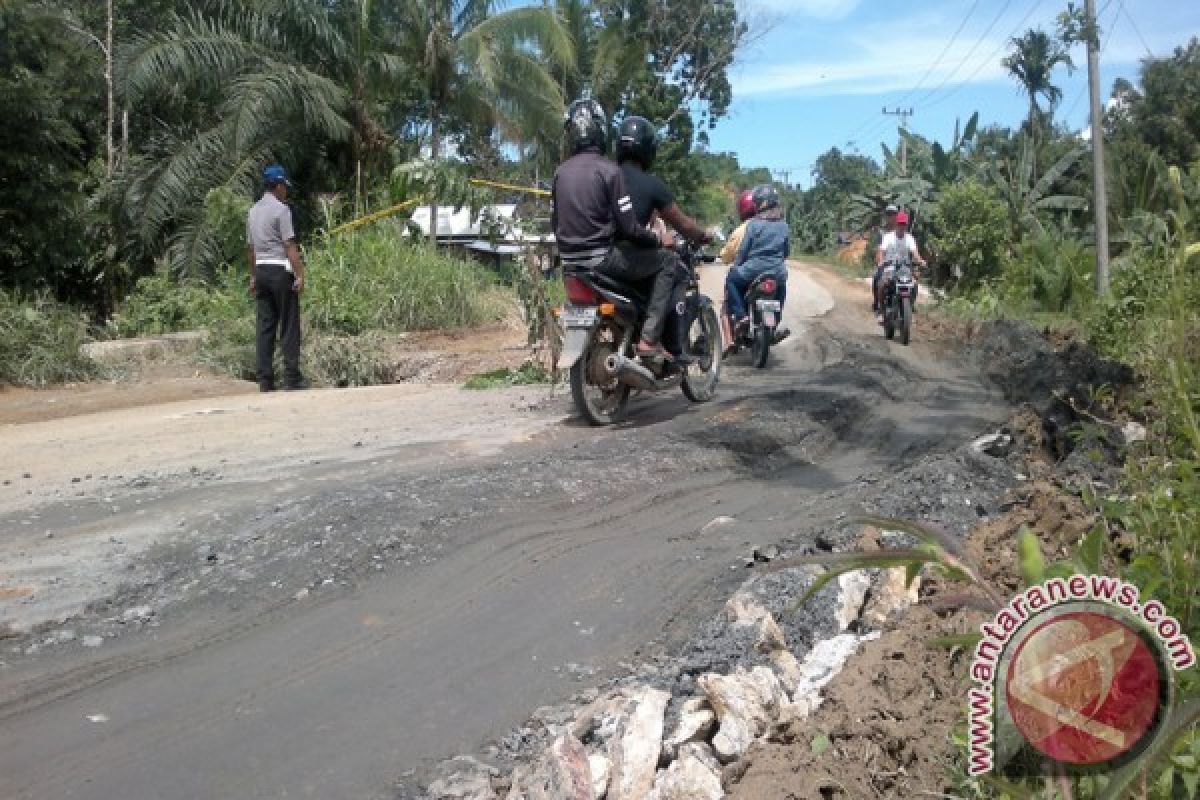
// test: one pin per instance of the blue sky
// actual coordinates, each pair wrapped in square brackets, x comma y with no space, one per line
[824,69]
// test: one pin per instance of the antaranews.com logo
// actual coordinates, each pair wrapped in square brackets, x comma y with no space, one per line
[1079,670]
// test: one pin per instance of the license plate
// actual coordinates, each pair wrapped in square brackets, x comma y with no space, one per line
[579,317]
[768,305]
[769,319]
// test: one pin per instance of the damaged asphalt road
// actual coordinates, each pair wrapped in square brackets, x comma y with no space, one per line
[321,633]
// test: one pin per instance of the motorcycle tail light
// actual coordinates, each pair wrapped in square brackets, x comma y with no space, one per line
[768,286]
[578,291]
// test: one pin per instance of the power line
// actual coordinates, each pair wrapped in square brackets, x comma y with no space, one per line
[982,39]
[1133,24]
[990,59]
[945,50]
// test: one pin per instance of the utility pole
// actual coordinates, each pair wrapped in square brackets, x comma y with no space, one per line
[1100,183]
[903,114]
[782,176]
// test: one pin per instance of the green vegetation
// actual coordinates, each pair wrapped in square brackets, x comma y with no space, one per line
[361,288]
[524,375]
[39,342]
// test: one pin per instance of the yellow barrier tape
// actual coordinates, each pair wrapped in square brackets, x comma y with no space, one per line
[510,187]
[378,215]
[407,204]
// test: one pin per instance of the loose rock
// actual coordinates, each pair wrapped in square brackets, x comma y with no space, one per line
[745,703]
[889,595]
[854,586]
[697,722]
[463,778]
[695,775]
[635,748]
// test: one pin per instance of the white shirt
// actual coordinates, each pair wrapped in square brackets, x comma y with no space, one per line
[896,250]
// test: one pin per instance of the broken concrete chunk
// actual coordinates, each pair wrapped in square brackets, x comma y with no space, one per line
[463,778]
[854,586]
[996,445]
[889,595]
[697,722]
[634,749]
[601,769]
[563,773]
[695,775]
[745,703]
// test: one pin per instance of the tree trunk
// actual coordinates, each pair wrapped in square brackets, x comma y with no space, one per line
[434,152]
[110,144]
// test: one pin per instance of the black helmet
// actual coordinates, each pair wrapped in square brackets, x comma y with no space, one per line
[637,141]
[586,126]
[765,198]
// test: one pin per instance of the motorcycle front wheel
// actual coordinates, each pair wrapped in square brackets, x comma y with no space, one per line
[905,320]
[704,343]
[889,322]
[762,345]
[600,399]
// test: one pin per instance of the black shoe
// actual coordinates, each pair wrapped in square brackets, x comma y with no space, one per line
[682,359]
[266,387]
[297,385]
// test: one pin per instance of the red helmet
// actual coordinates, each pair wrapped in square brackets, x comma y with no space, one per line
[746,205]
[902,218]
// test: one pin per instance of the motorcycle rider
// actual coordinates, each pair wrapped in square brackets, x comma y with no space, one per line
[745,208]
[592,208]
[897,247]
[764,249]
[637,146]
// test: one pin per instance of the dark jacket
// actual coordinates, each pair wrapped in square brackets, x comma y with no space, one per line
[592,208]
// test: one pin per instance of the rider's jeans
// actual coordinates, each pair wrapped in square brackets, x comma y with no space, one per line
[738,281]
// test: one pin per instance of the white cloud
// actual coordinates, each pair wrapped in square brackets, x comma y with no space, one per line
[821,9]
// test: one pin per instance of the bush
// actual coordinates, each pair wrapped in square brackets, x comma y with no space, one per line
[40,341]
[360,286]
[967,233]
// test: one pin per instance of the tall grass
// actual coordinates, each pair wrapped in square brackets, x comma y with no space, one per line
[360,287]
[40,342]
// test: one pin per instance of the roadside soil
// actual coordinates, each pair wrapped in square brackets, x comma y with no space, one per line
[315,593]
[420,357]
[886,726]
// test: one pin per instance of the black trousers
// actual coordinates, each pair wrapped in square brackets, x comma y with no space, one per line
[637,265]
[278,314]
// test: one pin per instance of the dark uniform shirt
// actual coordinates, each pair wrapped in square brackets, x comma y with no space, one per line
[591,208]
[648,192]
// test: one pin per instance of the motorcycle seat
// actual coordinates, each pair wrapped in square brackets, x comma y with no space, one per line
[633,292]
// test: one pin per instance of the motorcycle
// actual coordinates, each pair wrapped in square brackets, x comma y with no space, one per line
[762,329]
[602,321]
[899,289]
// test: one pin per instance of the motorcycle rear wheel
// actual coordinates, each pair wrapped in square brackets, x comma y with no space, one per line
[762,346]
[905,320]
[599,405]
[704,342]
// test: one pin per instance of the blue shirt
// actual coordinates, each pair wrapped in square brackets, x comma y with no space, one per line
[765,247]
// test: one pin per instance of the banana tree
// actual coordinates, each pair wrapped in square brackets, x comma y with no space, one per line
[1027,200]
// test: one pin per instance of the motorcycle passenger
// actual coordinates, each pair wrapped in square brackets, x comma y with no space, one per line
[592,208]
[745,208]
[897,247]
[764,250]
[637,146]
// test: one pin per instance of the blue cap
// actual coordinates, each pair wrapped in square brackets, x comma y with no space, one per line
[276,174]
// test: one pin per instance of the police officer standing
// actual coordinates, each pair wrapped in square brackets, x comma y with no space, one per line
[276,280]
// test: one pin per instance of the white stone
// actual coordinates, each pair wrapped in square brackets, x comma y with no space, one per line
[93,641]
[562,773]
[463,778]
[746,703]
[601,769]
[692,776]
[718,522]
[635,747]
[854,586]
[1133,432]
[823,663]
[697,722]
[743,609]
[889,595]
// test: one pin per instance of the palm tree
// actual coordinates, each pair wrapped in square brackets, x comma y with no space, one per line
[248,83]
[1034,58]
[483,67]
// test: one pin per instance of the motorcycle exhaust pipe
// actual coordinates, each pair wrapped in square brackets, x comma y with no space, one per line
[630,372]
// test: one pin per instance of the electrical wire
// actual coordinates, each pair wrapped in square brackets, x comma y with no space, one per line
[945,50]
[983,37]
